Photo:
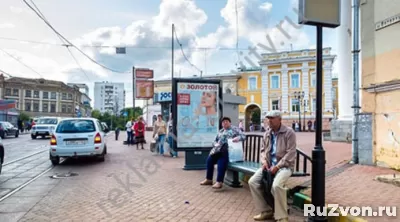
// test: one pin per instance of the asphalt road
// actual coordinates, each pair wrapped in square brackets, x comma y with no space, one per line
[24,160]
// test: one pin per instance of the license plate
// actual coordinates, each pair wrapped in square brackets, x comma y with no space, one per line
[76,142]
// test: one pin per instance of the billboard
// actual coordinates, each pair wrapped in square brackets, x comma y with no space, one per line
[144,89]
[197,108]
[144,73]
[7,104]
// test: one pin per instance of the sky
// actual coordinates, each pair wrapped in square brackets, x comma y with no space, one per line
[212,36]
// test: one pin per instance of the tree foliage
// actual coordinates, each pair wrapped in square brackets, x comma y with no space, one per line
[118,120]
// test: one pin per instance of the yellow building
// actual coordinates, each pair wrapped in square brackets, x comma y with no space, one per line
[281,75]
[380,25]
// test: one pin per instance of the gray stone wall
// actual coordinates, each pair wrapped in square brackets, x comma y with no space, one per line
[341,131]
[365,155]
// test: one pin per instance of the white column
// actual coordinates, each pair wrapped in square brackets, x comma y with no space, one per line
[328,86]
[264,91]
[40,101]
[344,62]
[285,88]
[305,72]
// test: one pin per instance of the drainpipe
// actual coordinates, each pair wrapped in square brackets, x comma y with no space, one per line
[356,81]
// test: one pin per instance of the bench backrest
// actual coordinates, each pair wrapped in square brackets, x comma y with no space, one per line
[252,147]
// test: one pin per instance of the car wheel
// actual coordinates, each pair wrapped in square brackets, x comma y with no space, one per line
[1,158]
[102,157]
[16,134]
[105,150]
[33,137]
[55,160]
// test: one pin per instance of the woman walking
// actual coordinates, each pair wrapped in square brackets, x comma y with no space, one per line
[139,132]
[160,129]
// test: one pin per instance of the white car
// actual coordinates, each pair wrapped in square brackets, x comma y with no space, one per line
[78,137]
[44,126]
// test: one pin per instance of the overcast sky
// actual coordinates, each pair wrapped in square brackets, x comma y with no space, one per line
[145,28]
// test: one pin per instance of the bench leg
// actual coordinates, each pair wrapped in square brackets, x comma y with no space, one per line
[232,179]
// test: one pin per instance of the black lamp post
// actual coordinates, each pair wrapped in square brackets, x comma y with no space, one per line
[319,14]
[299,95]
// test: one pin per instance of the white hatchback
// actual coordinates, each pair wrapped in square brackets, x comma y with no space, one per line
[78,137]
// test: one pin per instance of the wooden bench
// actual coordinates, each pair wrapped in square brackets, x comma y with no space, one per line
[251,163]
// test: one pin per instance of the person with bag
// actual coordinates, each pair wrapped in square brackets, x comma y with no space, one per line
[219,153]
[139,129]
[128,127]
[159,132]
[278,155]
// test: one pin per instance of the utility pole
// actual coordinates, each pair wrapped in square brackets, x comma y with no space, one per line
[133,87]
[172,47]
[356,83]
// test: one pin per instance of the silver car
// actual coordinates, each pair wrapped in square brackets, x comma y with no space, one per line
[44,127]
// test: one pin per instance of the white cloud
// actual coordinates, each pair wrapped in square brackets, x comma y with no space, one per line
[6,25]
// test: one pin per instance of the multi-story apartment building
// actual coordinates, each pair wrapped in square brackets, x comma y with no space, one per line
[275,84]
[109,97]
[41,97]
[86,110]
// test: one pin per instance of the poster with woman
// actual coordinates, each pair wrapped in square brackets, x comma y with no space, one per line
[197,114]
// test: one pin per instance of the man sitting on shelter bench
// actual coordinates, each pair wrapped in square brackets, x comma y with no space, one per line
[278,155]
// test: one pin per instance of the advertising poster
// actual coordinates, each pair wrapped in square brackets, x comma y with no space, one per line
[144,89]
[197,114]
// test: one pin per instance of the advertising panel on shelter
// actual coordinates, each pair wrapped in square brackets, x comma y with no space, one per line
[144,89]
[197,108]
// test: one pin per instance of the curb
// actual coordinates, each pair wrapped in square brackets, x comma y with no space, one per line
[300,199]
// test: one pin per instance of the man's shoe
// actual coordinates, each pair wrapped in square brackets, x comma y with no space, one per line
[283,220]
[267,215]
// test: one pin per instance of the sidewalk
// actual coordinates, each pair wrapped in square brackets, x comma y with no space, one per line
[131,185]
[350,185]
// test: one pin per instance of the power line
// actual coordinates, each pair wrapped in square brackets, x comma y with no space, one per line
[66,40]
[69,50]
[183,53]
[21,62]
[137,47]
[4,72]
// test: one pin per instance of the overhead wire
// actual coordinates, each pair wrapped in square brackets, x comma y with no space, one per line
[70,43]
[18,60]
[183,53]
[62,40]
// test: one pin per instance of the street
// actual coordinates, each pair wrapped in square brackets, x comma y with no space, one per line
[131,185]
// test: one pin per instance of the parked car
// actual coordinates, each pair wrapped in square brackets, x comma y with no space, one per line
[44,127]
[78,137]
[1,155]
[8,129]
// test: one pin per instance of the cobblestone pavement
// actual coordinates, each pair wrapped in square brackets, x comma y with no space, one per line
[131,185]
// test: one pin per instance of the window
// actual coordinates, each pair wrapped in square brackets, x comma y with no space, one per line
[15,92]
[8,92]
[295,105]
[64,96]
[275,82]
[76,126]
[51,121]
[45,107]
[52,108]
[313,79]
[63,108]
[35,94]
[295,80]
[35,107]
[275,104]
[69,109]
[28,106]
[69,96]
[53,95]
[28,93]
[314,105]
[45,95]
[252,81]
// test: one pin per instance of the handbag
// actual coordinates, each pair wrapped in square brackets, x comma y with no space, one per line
[235,151]
[218,148]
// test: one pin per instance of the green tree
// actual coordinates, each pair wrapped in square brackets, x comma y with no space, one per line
[24,117]
[96,114]
[256,116]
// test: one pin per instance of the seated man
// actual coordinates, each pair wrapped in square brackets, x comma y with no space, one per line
[278,155]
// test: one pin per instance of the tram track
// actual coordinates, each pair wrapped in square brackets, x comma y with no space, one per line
[25,157]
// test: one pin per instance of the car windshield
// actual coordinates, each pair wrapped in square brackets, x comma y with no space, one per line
[76,126]
[47,121]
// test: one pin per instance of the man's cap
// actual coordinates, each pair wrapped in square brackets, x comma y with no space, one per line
[273,113]
[225,118]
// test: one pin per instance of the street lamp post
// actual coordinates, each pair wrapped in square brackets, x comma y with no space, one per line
[319,14]
[304,114]
[299,95]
